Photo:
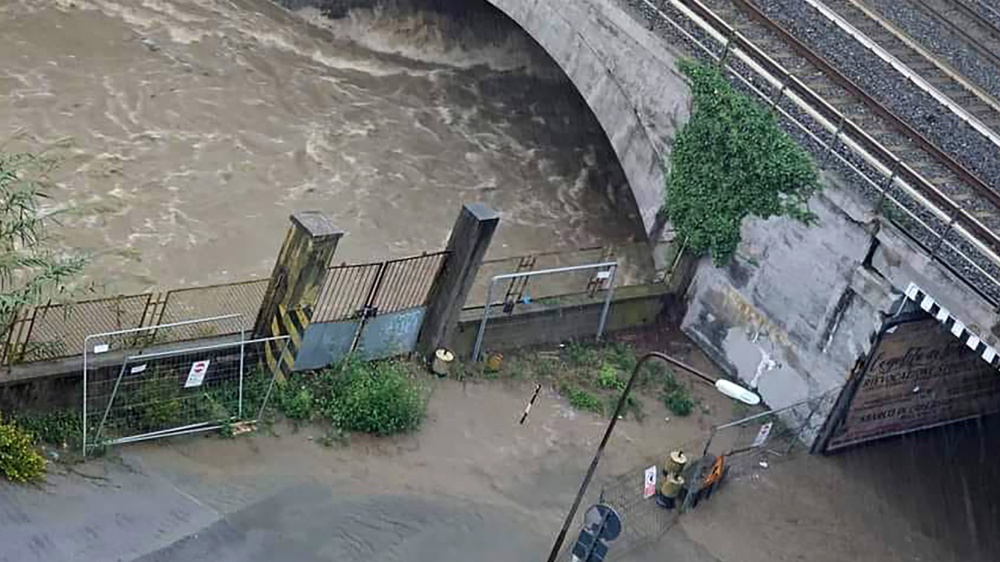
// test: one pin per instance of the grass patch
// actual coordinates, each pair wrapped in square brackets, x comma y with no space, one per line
[582,399]
[62,428]
[591,376]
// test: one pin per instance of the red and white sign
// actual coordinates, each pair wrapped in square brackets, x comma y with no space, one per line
[649,489]
[197,373]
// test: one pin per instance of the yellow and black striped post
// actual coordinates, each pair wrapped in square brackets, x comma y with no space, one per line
[280,355]
[295,285]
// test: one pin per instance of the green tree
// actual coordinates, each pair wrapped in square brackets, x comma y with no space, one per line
[731,160]
[30,271]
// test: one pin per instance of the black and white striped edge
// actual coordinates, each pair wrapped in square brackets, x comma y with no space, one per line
[954,325]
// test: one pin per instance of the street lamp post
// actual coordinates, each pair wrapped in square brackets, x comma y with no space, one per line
[728,388]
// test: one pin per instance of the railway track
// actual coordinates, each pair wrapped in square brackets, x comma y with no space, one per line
[944,207]
[922,155]
[919,88]
[986,10]
[975,31]
[970,101]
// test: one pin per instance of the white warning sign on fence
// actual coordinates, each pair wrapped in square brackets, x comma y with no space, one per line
[649,486]
[763,434]
[197,373]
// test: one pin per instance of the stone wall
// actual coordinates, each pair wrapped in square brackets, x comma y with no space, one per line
[799,305]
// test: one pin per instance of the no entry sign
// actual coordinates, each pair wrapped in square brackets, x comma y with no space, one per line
[197,373]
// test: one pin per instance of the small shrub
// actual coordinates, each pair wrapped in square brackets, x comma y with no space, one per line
[583,400]
[295,401]
[580,354]
[632,406]
[622,356]
[607,378]
[377,398]
[679,401]
[20,461]
[657,374]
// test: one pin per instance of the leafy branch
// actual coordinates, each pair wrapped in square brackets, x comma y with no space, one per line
[729,161]
[30,271]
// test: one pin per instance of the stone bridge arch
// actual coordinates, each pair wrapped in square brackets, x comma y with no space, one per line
[627,76]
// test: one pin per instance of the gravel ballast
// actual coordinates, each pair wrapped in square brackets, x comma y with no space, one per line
[880,80]
[942,40]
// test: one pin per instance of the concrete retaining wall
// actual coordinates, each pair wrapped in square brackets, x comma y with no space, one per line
[575,318]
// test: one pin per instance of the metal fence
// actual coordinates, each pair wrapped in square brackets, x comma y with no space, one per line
[759,438]
[766,436]
[131,395]
[58,330]
[352,291]
[373,309]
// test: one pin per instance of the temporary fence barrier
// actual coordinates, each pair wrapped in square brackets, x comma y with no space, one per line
[184,391]
[106,358]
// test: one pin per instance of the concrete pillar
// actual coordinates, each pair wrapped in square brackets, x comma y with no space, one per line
[296,282]
[470,238]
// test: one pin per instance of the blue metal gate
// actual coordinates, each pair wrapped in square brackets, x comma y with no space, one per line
[373,310]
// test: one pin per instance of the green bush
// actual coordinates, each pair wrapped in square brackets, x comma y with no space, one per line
[295,401]
[373,397]
[622,356]
[678,400]
[59,428]
[20,461]
[731,160]
[607,378]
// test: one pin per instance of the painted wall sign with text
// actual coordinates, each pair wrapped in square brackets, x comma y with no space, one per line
[918,376]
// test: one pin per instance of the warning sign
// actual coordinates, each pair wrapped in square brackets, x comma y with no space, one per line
[649,487]
[197,373]
[763,434]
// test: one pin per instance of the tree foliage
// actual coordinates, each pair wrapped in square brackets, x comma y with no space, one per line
[732,160]
[30,271]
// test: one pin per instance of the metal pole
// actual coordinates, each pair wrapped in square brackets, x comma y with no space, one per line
[482,325]
[111,401]
[86,342]
[607,435]
[239,408]
[607,303]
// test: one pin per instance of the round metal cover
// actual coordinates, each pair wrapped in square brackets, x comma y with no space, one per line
[612,525]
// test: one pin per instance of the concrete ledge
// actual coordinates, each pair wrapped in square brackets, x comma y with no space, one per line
[58,383]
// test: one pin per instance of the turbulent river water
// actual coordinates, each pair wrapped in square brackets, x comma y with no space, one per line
[190,129]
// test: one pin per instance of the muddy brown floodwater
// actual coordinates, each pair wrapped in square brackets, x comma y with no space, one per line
[190,129]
